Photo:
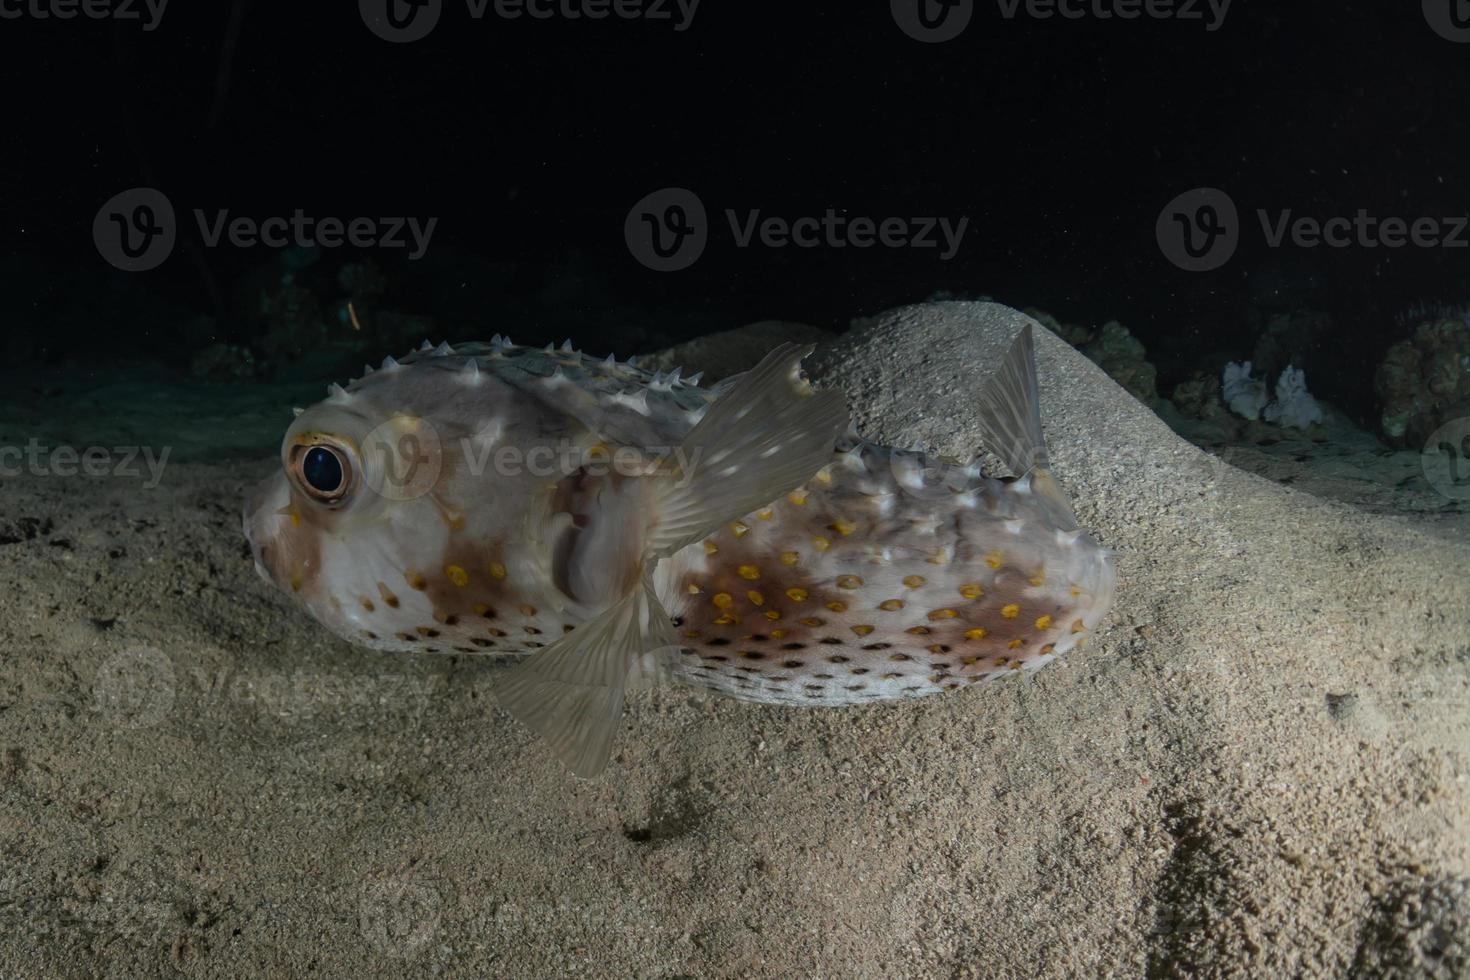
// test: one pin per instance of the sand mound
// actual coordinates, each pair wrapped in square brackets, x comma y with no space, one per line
[1257,768]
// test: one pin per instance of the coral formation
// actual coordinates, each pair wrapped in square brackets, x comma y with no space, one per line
[1245,395]
[1424,380]
[1294,407]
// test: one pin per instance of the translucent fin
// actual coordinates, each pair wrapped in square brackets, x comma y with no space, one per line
[1010,410]
[766,436]
[571,693]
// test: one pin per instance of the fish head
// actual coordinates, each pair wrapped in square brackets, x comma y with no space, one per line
[417,496]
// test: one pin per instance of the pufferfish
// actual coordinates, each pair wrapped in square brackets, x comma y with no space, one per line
[609,527]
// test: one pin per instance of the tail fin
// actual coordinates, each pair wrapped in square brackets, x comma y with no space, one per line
[1010,410]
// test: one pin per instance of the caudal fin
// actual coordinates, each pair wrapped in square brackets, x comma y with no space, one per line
[1010,410]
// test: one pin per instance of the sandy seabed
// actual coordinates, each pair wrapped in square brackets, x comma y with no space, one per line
[1258,767]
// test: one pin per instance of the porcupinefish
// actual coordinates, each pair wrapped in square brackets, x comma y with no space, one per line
[610,527]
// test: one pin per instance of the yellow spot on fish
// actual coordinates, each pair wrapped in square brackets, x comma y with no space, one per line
[821,543]
[790,558]
[994,559]
[1075,591]
[1010,610]
[749,572]
[295,581]
[918,630]
[849,582]
[843,528]
[367,604]
[1043,622]
[723,599]
[1014,665]
[527,609]
[725,620]
[497,570]
[773,614]
[837,605]
[797,497]
[1078,626]
[388,597]
[415,580]
[813,621]
[457,575]
[939,614]
[756,598]
[692,634]
[891,605]
[766,514]
[1013,644]
[710,548]
[740,529]
[971,590]
[1048,648]
[797,593]
[978,633]
[694,589]
[969,661]
[914,581]
[481,608]
[941,557]
[862,630]
[777,634]
[1038,579]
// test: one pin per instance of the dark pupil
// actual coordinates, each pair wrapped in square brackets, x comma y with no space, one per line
[322,469]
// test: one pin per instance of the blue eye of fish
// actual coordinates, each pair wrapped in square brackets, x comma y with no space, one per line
[322,470]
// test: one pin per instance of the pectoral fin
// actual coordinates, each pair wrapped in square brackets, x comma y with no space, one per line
[571,693]
[763,438]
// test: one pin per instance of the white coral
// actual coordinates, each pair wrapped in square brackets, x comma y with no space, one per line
[1245,395]
[1293,406]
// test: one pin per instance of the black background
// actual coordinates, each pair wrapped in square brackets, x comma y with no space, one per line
[530,140]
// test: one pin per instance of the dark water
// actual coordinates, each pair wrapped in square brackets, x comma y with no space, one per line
[211,198]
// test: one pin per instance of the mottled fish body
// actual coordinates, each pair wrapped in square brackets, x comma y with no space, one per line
[607,526]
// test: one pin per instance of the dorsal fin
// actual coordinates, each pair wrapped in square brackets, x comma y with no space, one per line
[1010,409]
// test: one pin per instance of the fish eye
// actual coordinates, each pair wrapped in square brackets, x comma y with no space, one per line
[322,471]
